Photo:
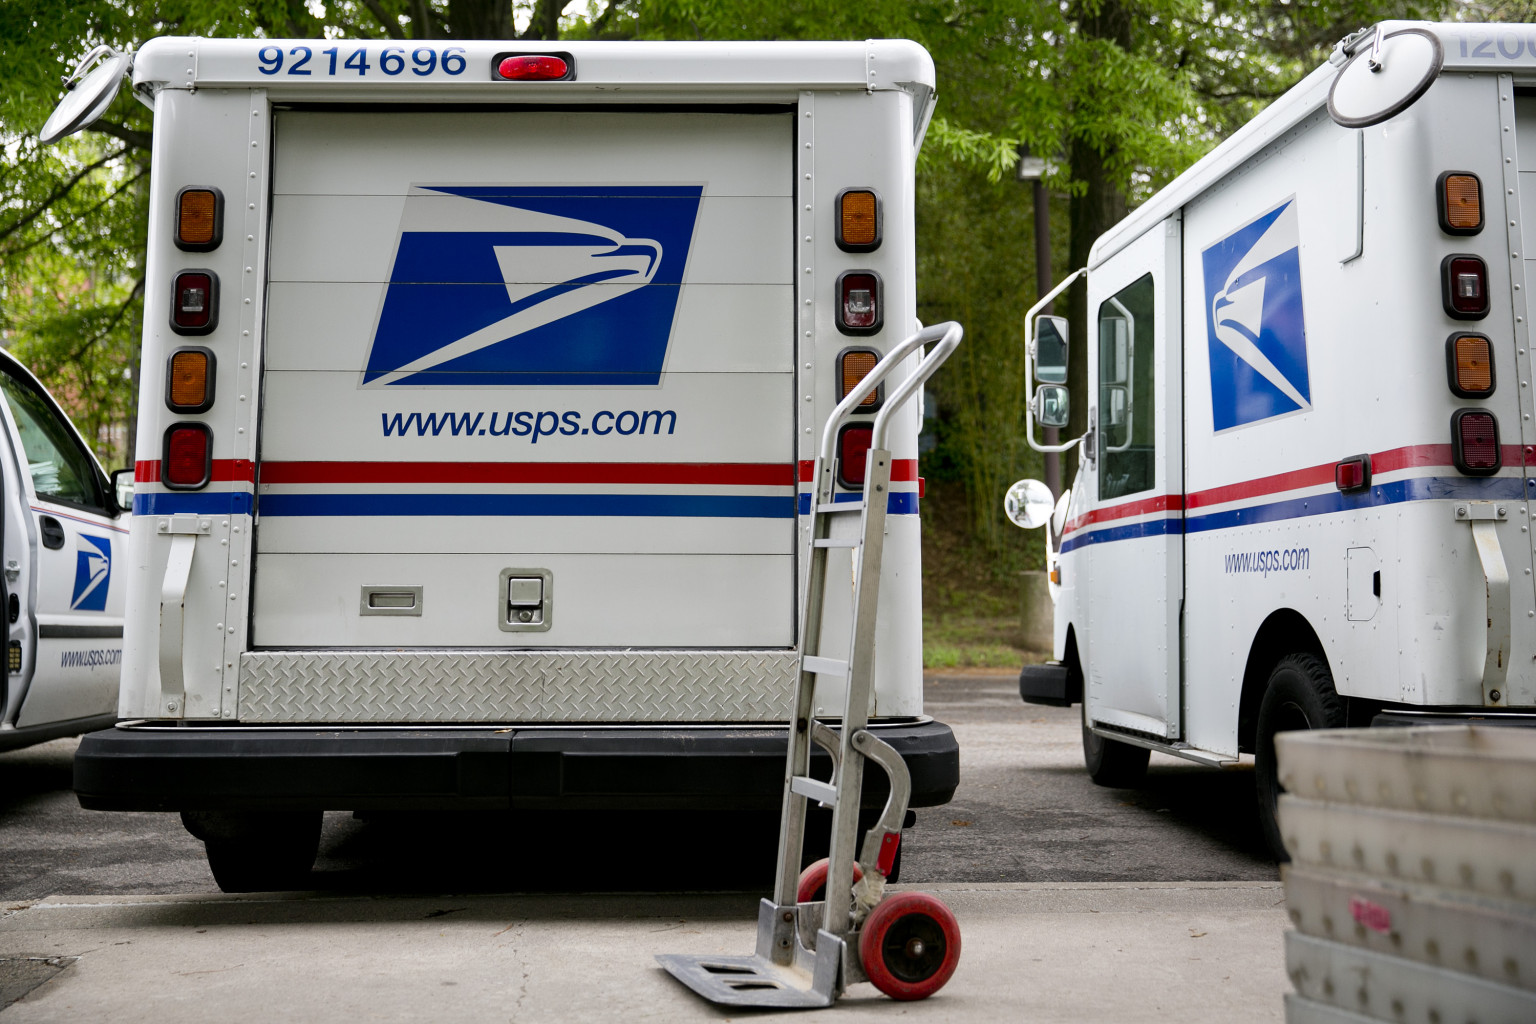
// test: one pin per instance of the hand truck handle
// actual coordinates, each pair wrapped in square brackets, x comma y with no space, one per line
[948,342]
[938,332]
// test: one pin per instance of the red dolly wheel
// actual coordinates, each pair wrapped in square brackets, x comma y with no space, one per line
[910,945]
[813,881]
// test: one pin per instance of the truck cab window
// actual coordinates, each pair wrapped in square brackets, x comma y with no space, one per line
[1127,443]
[61,470]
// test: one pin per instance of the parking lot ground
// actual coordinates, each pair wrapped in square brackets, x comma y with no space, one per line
[1026,811]
[1076,903]
[1038,952]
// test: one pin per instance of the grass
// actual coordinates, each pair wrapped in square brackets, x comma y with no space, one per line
[971,596]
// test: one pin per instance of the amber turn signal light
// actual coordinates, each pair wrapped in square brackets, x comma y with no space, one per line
[858,220]
[189,380]
[1469,361]
[199,219]
[853,365]
[1460,198]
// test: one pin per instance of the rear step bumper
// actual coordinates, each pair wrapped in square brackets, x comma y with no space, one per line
[139,767]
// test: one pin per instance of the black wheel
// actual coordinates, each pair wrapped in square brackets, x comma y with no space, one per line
[1110,762]
[258,851]
[1300,695]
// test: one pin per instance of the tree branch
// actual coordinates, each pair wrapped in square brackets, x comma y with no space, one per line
[58,193]
[421,20]
[84,214]
[121,132]
[117,318]
[545,21]
[390,25]
[1245,94]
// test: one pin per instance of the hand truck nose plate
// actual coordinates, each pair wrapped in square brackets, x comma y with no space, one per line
[783,974]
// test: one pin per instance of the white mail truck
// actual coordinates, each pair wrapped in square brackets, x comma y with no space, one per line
[481,387]
[63,531]
[1302,497]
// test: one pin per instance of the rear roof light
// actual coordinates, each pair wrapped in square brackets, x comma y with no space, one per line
[195,302]
[853,365]
[852,446]
[1464,287]
[187,462]
[1469,361]
[189,380]
[533,67]
[1460,198]
[858,302]
[1475,442]
[1353,474]
[858,220]
[199,219]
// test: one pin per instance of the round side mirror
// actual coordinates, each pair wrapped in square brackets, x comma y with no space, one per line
[1028,504]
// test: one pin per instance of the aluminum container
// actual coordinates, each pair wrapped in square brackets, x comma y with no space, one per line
[1487,858]
[1470,771]
[1354,981]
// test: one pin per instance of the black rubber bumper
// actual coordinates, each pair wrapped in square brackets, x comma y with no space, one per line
[1049,684]
[139,768]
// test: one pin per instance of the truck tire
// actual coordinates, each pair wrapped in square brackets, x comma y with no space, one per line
[1299,695]
[258,851]
[1110,762]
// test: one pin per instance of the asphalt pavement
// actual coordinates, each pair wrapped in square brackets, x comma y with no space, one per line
[1025,812]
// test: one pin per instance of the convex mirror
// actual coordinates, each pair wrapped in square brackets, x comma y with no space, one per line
[1028,503]
[1051,349]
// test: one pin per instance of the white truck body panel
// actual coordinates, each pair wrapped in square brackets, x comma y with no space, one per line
[1322,242]
[661,498]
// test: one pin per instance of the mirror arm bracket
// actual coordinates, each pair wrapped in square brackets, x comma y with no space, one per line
[1029,364]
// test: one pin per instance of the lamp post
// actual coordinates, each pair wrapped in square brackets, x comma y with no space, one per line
[1033,170]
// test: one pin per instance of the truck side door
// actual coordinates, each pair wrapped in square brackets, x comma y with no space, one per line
[70,668]
[1133,529]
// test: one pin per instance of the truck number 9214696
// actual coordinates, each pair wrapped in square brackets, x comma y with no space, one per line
[394,60]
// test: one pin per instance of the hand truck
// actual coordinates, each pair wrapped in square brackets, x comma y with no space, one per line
[809,949]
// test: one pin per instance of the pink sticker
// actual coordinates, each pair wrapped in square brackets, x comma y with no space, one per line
[1373,915]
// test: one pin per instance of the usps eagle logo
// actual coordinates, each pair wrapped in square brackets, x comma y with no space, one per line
[93,573]
[1254,323]
[515,286]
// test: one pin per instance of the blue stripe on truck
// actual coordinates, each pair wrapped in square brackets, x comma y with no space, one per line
[197,503]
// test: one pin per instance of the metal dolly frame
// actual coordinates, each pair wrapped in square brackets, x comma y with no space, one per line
[809,952]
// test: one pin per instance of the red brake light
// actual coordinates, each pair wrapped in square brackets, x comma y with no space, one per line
[1353,474]
[530,67]
[195,302]
[858,302]
[1464,283]
[1475,442]
[188,459]
[852,447]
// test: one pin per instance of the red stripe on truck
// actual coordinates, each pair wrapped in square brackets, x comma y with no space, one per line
[147,471]
[901,469]
[760,474]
